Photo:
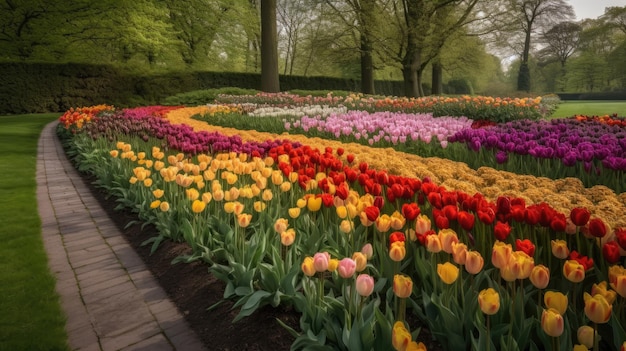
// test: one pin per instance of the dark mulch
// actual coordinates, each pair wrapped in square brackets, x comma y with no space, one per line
[194,289]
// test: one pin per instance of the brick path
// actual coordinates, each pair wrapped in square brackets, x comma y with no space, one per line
[110,298]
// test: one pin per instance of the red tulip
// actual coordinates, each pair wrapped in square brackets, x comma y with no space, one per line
[597,228]
[372,213]
[610,251]
[532,216]
[517,213]
[487,216]
[584,260]
[502,231]
[327,200]
[342,191]
[442,222]
[579,216]
[396,236]
[526,246]
[340,151]
[503,205]
[350,158]
[448,198]
[379,202]
[451,212]
[558,222]
[435,199]
[466,220]
[363,167]
[410,211]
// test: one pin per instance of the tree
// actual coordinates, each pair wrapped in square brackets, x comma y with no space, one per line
[269,48]
[528,16]
[561,41]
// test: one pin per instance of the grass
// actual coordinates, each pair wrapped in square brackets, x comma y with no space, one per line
[590,108]
[30,314]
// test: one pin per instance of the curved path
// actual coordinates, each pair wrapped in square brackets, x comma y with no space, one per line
[111,300]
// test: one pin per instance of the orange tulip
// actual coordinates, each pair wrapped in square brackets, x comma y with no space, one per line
[447,237]
[361,261]
[459,253]
[603,290]
[501,254]
[281,225]
[287,237]
[560,249]
[397,251]
[556,300]
[474,262]
[400,336]
[243,219]
[307,267]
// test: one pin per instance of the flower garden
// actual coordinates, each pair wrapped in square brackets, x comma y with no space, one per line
[493,226]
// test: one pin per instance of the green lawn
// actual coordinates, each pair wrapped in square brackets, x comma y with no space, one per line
[30,313]
[590,108]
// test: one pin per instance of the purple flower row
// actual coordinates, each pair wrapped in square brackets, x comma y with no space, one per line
[564,139]
[143,123]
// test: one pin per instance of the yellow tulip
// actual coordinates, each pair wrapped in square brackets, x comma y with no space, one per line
[192,194]
[132,180]
[448,272]
[560,249]
[197,206]
[155,204]
[597,308]
[361,261]
[346,226]
[400,336]
[540,276]
[617,278]
[448,237]
[433,244]
[164,206]
[285,187]
[218,195]
[585,335]
[397,220]
[415,346]
[314,203]
[552,322]
[422,224]
[489,301]
[501,254]
[294,212]
[574,271]
[602,289]
[307,267]
[556,300]
[207,197]
[332,264]
[301,203]
[579,347]
[114,153]
[281,225]
[402,285]
[244,219]
[342,212]
[229,207]
[397,251]
[267,195]
[158,193]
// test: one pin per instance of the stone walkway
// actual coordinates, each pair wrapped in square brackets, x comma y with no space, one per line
[110,298]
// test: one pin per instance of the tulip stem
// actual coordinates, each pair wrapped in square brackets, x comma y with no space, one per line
[488,335]
[595,331]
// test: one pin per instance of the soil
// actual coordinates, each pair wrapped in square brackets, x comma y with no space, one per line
[193,289]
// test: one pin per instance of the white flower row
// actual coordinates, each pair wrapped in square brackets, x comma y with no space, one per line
[298,111]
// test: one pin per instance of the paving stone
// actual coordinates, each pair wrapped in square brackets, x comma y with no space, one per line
[155,343]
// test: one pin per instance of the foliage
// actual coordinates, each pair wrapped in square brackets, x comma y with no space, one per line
[207,96]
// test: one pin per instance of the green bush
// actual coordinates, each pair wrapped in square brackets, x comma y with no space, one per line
[206,96]
[302,92]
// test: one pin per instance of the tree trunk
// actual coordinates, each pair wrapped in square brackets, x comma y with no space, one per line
[523,77]
[269,48]
[367,66]
[437,79]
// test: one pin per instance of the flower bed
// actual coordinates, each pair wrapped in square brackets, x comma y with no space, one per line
[354,245]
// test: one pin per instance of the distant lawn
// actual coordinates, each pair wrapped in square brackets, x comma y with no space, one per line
[30,314]
[590,108]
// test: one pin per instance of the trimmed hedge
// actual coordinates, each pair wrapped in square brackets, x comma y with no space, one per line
[609,95]
[49,87]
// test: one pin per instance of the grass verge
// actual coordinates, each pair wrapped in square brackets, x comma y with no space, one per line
[590,108]
[30,313]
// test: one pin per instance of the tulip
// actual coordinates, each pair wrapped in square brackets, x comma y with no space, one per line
[346,226]
[447,238]
[597,308]
[361,261]
[342,212]
[540,276]
[489,301]
[400,336]
[602,289]
[368,250]
[397,220]
[560,249]
[402,285]
[459,253]
[320,261]
[281,225]
[415,346]
[574,271]
[164,207]
[433,244]
[597,228]
[383,223]
[346,268]
[524,263]
[474,262]
[556,300]
[243,219]
[422,224]
[294,212]
[307,267]
[611,252]
[397,251]
[501,230]
[314,203]
[364,285]
[501,254]
[585,335]
[618,282]
[333,263]
[206,197]
[447,272]
[259,206]
[579,216]
[288,237]
[525,246]
[466,220]
[197,206]
[552,322]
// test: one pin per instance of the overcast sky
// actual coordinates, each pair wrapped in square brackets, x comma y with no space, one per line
[593,8]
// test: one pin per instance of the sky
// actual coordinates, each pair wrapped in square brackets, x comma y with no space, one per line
[593,8]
